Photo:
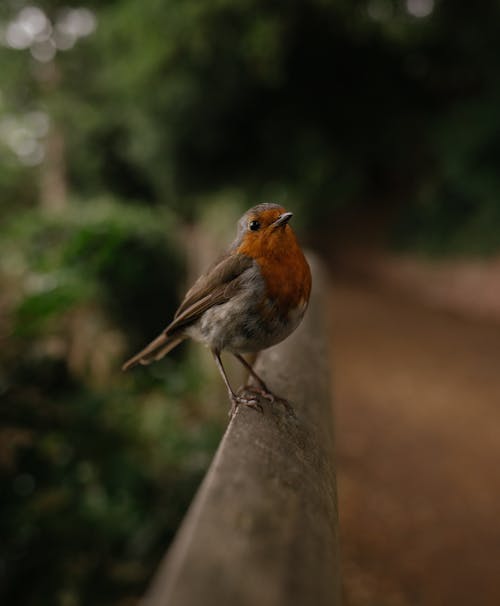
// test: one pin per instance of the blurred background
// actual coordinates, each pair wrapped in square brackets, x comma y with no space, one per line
[132,136]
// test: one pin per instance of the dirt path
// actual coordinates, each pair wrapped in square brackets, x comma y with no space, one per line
[418,441]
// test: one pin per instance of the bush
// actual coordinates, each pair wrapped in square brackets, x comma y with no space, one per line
[96,467]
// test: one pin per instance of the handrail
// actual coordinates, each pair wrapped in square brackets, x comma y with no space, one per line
[263,530]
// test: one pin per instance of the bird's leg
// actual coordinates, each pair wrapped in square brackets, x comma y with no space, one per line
[262,388]
[235,399]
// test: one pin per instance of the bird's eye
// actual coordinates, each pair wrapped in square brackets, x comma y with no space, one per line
[254,225]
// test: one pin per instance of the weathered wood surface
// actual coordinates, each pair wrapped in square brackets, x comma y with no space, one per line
[262,530]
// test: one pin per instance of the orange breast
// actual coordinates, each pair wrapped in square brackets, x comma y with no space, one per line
[283,266]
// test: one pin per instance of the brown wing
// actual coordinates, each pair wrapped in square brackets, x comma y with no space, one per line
[213,288]
[217,286]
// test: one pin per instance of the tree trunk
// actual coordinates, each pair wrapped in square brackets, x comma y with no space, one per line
[53,184]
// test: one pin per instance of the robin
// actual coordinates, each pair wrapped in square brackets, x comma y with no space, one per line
[253,297]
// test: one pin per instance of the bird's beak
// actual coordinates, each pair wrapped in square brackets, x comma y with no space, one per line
[282,219]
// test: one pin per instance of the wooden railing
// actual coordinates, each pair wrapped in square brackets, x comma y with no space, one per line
[262,530]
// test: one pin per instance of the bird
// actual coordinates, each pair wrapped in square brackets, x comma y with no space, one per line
[251,298]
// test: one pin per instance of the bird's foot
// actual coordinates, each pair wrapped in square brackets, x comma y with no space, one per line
[262,392]
[238,400]
[265,393]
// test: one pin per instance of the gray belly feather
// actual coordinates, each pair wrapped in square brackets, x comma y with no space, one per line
[239,325]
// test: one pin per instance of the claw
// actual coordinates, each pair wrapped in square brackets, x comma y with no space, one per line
[270,397]
[264,393]
[250,402]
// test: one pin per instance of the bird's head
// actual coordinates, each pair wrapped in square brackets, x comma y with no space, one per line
[264,229]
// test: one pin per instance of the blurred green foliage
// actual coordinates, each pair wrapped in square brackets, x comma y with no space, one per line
[91,494]
[96,469]
[97,250]
[323,105]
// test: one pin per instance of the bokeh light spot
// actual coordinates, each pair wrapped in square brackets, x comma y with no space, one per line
[420,8]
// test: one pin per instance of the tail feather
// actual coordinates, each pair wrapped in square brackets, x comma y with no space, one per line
[157,349]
